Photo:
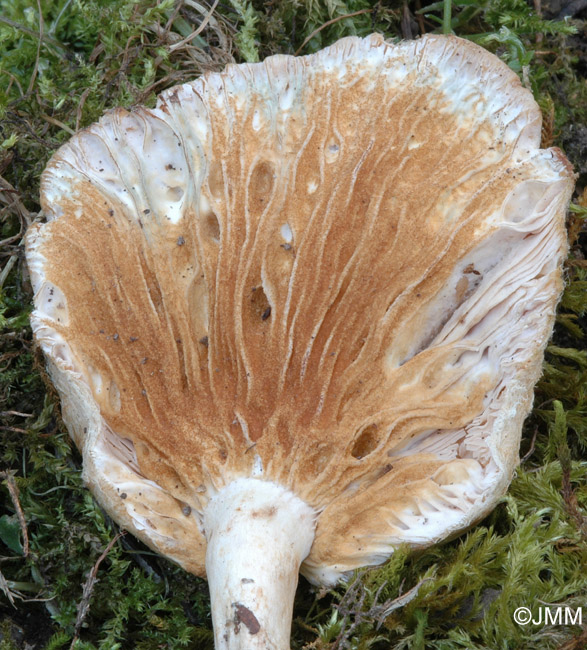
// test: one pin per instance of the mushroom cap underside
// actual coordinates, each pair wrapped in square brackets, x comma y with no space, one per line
[337,273]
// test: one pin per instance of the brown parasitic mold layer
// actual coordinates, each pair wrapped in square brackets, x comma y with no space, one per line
[336,273]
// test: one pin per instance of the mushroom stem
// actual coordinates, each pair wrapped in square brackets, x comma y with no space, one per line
[258,534]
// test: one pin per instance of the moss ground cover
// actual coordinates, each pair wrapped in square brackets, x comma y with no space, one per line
[64,62]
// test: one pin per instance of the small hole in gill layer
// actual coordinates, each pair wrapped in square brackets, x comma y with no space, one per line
[260,303]
[262,179]
[366,442]
[212,226]
[260,188]
[114,397]
[174,193]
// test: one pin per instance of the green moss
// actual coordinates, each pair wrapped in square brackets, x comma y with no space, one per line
[246,37]
[60,72]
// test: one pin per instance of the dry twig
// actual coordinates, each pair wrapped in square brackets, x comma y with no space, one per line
[56,122]
[354,613]
[13,489]
[80,107]
[531,450]
[41,30]
[195,33]
[10,200]
[4,414]
[84,606]
[327,24]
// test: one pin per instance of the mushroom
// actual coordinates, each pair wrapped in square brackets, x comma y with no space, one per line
[295,312]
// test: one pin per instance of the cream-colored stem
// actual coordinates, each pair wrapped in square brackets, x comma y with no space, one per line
[258,534]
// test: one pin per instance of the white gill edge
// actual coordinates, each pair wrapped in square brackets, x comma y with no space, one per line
[258,534]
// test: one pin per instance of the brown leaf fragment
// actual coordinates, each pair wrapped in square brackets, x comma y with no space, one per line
[576,643]
[243,614]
